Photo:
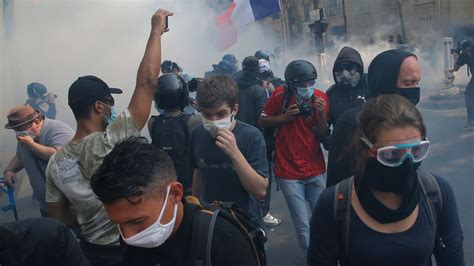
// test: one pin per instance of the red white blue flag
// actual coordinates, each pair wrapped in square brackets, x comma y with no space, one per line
[239,14]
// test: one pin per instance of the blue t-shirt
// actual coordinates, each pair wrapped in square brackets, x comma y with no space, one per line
[369,247]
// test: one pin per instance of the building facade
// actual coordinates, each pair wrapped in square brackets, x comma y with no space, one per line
[407,21]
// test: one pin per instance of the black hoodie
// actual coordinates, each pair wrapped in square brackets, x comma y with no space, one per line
[252,97]
[343,97]
[382,79]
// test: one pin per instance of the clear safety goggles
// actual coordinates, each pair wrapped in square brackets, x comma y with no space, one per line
[395,155]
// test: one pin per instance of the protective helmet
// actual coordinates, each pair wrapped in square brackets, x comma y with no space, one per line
[36,90]
[263,54]
[171,92]
[300,70]
[225,67]
[230,58]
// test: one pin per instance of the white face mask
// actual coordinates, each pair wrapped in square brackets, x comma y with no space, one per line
[214,125]
[155,235]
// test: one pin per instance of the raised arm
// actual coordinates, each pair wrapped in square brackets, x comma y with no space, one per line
[140,104]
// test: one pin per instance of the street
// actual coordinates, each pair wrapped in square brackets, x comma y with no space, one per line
[451,156]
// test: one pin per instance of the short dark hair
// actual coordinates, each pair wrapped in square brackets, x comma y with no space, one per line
[133,168]
[215,90]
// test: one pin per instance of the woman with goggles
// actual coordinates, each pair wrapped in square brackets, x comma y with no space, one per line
[389,216]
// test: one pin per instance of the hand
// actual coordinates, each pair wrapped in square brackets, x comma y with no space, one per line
[290,114]
[9,179]
[27,140]
[51,98]
[319,103]
[225,140]
[158,21]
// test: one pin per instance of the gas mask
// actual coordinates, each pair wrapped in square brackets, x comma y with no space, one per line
[348,77]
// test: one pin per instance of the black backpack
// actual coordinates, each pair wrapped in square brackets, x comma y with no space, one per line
[204,222]
[342,208]
[171,134]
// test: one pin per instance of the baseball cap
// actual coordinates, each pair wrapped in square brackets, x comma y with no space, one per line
[88,89]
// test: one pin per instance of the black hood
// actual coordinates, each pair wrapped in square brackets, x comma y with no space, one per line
[248,79]
[384,70]
[348,54]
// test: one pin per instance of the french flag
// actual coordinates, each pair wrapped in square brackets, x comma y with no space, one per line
[239,14]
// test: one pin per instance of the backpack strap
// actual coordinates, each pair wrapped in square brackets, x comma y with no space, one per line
[433,196]
[204,222]
[184,118]
[342,211]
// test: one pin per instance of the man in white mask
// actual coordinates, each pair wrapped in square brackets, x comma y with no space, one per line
[138,186]
[229,156]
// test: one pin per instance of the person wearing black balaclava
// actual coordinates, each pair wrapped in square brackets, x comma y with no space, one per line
[390,213]
[390,72]
[350,88]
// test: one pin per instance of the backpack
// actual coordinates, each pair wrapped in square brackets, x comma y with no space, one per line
[342,208]
[171,134]
[204,221]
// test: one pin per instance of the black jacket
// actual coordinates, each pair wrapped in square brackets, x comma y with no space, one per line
[382,78]
[343,97]
[39,241]
[252,97]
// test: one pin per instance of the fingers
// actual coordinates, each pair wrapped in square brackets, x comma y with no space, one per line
[158,21]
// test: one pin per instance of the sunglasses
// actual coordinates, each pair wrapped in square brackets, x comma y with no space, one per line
[395,155]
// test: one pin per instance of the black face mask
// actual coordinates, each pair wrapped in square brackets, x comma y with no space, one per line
[412,94]
[401,180]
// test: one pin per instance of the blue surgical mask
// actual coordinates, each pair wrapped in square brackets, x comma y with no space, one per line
[304,93]
[113,114]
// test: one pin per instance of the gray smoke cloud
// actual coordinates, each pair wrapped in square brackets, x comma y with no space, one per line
[54,42]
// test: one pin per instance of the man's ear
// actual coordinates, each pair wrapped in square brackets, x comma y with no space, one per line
[176,192]
[99,107]
[236,108]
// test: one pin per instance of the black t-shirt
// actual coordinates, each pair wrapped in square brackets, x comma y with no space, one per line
[369,247]
[219,179]
[229,246]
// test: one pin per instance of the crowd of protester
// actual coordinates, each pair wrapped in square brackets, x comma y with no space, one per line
[200,191]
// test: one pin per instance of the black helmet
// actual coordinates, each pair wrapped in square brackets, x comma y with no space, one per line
[300,70]
[225,67]
[36,90]
[230,58]
[171,92]
[263,54]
